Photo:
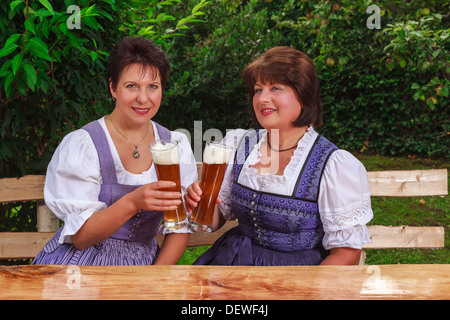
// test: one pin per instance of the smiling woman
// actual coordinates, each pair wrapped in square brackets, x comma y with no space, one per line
[138,97]
[299,199]
[101,180]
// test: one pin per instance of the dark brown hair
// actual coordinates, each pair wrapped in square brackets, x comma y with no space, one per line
[137,50]
[292,68]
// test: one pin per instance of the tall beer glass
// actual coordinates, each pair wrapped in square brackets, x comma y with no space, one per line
[167,164]
[215,161]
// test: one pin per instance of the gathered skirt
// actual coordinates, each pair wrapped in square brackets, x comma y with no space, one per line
[108,252]
[234,248]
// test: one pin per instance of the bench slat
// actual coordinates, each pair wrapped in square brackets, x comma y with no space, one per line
[408,183]
[21,245]
[385,237]
[400,183]
[26,188]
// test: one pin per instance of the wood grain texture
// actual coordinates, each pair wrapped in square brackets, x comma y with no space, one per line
[22,245]
[22,189]
[408,183]
[229,283]
[385,237]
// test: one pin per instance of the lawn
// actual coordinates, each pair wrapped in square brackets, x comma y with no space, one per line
[420,211]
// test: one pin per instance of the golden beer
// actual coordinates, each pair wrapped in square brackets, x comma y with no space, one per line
[215,161]
[167,165]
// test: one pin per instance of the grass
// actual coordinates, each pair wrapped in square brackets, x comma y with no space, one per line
[419,211]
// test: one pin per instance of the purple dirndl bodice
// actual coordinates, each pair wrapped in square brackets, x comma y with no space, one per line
[132,244]
[274,229]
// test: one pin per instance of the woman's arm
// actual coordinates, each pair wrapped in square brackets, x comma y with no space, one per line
[342,256]
[172,248]
[104,223]
[344,205]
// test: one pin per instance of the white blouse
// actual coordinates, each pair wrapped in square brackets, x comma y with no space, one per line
[73,179]
[344,195]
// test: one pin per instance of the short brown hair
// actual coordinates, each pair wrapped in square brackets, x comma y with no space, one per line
[137,50]
[292,68]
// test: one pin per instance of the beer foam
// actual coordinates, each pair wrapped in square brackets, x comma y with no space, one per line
[216,154]
[165,153]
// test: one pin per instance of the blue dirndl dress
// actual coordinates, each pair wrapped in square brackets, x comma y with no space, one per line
[274,230]
[132,244]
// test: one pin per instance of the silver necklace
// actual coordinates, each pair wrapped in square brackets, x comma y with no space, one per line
[136,153]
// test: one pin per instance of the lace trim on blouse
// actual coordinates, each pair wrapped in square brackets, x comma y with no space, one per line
[345,218]
[345,202]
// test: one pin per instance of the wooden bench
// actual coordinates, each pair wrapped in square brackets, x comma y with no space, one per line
[409,183]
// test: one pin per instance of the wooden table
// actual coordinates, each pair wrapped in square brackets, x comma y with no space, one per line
[230,283]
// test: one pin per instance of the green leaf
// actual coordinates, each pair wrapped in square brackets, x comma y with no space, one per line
[39,48]
[17,60]
[435,81]
[31,76]
[8,89]
[198,6]
[94,55]
[12,38]
[5,69]
[44,86]
[7,49]
[30,26]
[47,5]
[74,41]
[22,87]
[14,4]
[181,22]
[105,14]
[63,28]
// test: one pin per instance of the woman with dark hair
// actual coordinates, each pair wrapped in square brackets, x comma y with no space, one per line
[101,180]
[298,198]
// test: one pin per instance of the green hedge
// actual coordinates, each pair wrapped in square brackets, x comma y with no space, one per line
[378,87]
[383,90]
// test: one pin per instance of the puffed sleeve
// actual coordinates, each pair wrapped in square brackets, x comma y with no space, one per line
[344,202]
[72,183]
[231,139]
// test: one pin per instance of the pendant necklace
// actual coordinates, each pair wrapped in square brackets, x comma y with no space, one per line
[136,153]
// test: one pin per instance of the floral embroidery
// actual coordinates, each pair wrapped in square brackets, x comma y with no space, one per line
[279,222]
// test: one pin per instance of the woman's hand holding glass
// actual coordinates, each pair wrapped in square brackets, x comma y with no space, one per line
[193,195]
[150,197]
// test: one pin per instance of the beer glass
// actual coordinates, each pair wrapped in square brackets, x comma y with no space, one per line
[215,161]
[167,164]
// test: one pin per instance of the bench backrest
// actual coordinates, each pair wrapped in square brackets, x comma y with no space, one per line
[408,183]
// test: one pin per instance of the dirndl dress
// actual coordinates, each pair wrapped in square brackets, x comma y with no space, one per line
[133,243]
[274,230]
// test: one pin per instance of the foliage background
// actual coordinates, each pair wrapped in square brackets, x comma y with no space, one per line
[378,89]
[384,91]
[374,96]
